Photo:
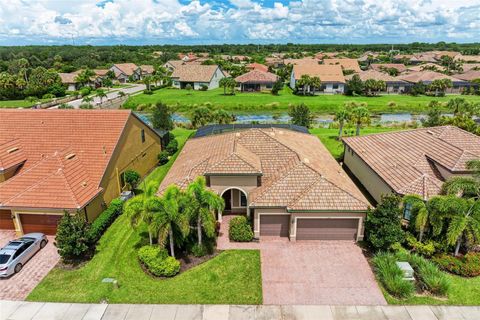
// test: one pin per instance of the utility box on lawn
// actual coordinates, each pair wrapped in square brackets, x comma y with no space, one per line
[406,269]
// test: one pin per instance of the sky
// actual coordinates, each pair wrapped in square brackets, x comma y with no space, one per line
[136,22]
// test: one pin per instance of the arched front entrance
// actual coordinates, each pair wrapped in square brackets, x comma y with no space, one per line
[236,202]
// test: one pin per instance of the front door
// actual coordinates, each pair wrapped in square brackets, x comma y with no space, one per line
[227,197]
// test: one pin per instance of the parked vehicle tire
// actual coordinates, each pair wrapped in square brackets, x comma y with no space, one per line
[18,268]
[43,244]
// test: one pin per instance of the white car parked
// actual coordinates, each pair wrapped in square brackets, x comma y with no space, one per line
[17,252]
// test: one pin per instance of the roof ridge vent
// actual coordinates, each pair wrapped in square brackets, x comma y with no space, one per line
[70,156]
[430,132]
[12,150]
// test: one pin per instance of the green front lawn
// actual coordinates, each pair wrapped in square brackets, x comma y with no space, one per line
[184,100]
[330,141]
[233,277]
[19,103]
[463,291]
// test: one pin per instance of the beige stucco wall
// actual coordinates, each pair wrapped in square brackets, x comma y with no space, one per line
[367,177]
[222,183]
[447,174]
[265,211]
[348,215]
[132,154]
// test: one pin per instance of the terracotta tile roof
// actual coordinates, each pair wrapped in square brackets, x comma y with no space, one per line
[127,68]
[257,66]
[69,78]
[426,76]
[382,66]
[297,170]
[422,67]
[66,153]
[469,75]
[101,72]
[146,68]
[257,76]
[194,72]
[302,61]
[377,75]
[470,66]
[326,73]
[468,58]
[11,154]
[407,160]
[347,64]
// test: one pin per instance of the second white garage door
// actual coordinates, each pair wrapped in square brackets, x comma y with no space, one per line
[327,229]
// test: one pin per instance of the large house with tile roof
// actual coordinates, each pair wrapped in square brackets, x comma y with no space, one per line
[197,76]
[410,162]
[392,84]
[125,72]
[256,80]
[331,76]
[285,180]
[53,161]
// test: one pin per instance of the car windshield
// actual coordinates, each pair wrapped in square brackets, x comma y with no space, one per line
[4,258]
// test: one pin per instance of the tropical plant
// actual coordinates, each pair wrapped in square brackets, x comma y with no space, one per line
[201,116]
[101,94]
[355,85]
[147,80]
[162,117]
[72,239]
[439,86]
[391,276]
[434,114]
[301,115]
[170,216]
[315,83]
[203,203]
[304,82]
[121,94]
[419,211]
[85,77]
[87,99]
[342,116]
[222,116]
[360,116]
[138,211]
[277,86]
[132,178]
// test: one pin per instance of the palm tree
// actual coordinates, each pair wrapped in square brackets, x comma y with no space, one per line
[465,187]
[138,212]
[101,94]
[204,202]
[420,210]
[342,115]
[169,216]
[303,82]
[87,99]
[462,216]
[121,94]
[315,82]
[224,82]
[360,116]
[147,80]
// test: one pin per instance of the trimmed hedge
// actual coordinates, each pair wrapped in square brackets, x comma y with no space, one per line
[240,230]
[466,266]
[104,220]
[158,262]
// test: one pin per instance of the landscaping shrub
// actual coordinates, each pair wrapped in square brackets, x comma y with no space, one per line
[48,96]
[163,157]
[172,147]
[132,178]
[240,230]
[429,275]
[466,266]
[203,87]
[104,220]
[158,262]
[199,250]
[85,91]
[149,92]
[383,226]
[72,236]
[391,276]
[425,249]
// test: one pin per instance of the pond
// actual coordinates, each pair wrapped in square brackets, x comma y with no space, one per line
[321,119]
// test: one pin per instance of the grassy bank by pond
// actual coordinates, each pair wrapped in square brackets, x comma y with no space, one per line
[184,101]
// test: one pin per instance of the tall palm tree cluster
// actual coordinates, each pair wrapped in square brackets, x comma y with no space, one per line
[355,113]
[175,215]
[307,81]
[452,217]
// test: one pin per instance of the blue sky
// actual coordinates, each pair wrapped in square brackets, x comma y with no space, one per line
[237,21]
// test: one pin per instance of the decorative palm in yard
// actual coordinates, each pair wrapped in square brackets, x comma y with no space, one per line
[342,116]
[169,216]
[138,211]
[203,204]
[360,116]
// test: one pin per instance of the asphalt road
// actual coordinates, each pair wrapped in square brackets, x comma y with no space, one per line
[113,94]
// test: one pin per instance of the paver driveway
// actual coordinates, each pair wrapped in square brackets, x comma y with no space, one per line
[18,286]
[317,272]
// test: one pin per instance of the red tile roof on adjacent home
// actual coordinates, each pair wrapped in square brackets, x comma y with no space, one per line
[297,171]
[11,154]
[257,76]
[407,160]
[257,66]
[347,64]
[64,153]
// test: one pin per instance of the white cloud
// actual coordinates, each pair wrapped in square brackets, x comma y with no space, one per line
[240,20]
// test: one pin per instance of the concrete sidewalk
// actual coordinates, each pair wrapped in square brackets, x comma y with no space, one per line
[18,310]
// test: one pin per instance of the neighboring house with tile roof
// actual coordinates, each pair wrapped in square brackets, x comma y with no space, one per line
[74,160]
[383,67]
[286,180]
[427,77]
[347,64]
[393,84]
[426,67]
[126,71]
[331,76]
[410,162]
[256,66]
[197,76]
[469,75]
[256,80]
[70,80]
